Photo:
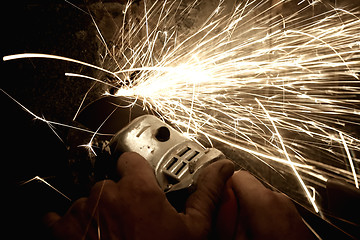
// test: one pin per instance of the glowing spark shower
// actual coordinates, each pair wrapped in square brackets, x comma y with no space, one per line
[282,88]
[303,68]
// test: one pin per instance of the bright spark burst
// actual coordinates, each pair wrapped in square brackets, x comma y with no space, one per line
[301,68]
[283,88]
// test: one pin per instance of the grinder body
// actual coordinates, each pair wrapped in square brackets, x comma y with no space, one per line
[176,160]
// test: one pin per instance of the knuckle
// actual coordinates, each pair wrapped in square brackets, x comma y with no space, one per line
[144,187]
[271,198]
[104,192]
[128,155]
[78,206]
[101,186]
[278,201]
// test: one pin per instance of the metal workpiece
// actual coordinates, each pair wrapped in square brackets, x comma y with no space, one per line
[177,161]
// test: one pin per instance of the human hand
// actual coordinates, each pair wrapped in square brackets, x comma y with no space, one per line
[249,211]
[136,207]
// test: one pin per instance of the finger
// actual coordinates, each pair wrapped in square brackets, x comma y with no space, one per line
[132,164]
[201,204]
[61,228]
[248,189]
[226,220]
[137,173]
[51,218]
[64,227]
[103,192]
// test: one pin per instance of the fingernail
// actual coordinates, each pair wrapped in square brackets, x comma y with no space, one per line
[227,168]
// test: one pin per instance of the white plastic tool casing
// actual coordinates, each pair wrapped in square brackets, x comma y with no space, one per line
[176,160]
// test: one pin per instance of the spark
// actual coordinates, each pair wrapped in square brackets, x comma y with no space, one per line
[280,88]
[350,160]
[302,69]
[48,122]
[50,56]
[37,178]
[288,158]
[89,144]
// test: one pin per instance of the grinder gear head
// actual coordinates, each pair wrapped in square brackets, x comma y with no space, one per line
[176,160]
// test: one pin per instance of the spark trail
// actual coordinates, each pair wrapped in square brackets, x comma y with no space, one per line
[37,178]
[277,80]
[303,67]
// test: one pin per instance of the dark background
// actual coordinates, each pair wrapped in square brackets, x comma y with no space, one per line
[29,147]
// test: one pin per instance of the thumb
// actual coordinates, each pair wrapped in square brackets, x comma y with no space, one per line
[201,205]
